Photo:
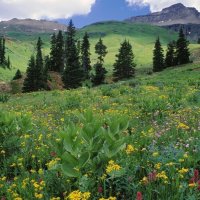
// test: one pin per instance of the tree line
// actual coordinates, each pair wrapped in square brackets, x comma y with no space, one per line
[71,58]
[177,53]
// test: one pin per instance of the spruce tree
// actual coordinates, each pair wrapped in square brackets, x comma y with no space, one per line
[183,54]
[36,74]
[39,67]
[158,57]
[60,52]
[198,41]
[100,50]
[2,51]
[30,82]
[85,56]
[100,71]
[53,66]
[170,59]
[18,75]
[73,72]
[124,65]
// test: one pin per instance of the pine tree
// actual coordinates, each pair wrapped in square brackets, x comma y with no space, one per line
[100,71]
[85,56]
[170,59]
[124,65]
[73,72]
[158,57]
[101,50]
[30,82]
[53,66]
[36,78]
[60,52]
[39,67]
[183,54]
[2,51]
[18,75]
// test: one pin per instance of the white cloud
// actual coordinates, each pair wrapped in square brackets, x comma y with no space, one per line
[44,8]
[158,5]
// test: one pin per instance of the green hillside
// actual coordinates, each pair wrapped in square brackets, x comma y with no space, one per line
[115,140]
[142,36]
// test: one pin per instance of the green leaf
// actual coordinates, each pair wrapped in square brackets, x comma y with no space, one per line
[69,171]
[84,158]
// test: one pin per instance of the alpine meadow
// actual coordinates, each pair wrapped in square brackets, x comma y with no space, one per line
[108,111]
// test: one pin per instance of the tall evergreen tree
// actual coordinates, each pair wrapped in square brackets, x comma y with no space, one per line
[2,51]
[100,50]
[170,59]
[198,41]
[36,78]
[60,52]
[100,71]
[39,67]
[183,54]
[73,72]
[124,65]
[85,56]
[53,66]
[30,82]
[158,57]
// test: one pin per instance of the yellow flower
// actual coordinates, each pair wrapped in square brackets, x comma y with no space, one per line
[144,180]
[78,195]
[112,166]
[55,198]
[183,126]
[38,196]
[192,185]
[183,171]
[40,171]
[129,149]
[162,175]
[158,165]
[155,154]
[18,198]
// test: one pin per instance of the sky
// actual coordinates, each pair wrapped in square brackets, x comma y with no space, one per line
[84,12]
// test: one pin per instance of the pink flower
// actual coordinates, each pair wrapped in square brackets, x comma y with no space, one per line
[139,196]
[100,189]
[196,175]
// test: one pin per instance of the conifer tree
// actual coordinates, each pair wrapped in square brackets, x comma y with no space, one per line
[36,78]
[183,54]
[158,57]
[100,71]
[60,52]
[124,65]
[2,51]
[73,72]
[100,50]
[18,75]
[53,66]
[39,67]
[170,59]
[85,56]
[30,82]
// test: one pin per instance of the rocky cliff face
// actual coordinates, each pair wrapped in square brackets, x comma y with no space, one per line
[175,14]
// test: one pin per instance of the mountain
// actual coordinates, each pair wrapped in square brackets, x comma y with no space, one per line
[30,25]
[173,18]
[175,14]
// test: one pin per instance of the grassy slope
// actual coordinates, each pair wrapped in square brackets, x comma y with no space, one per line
[20,45]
